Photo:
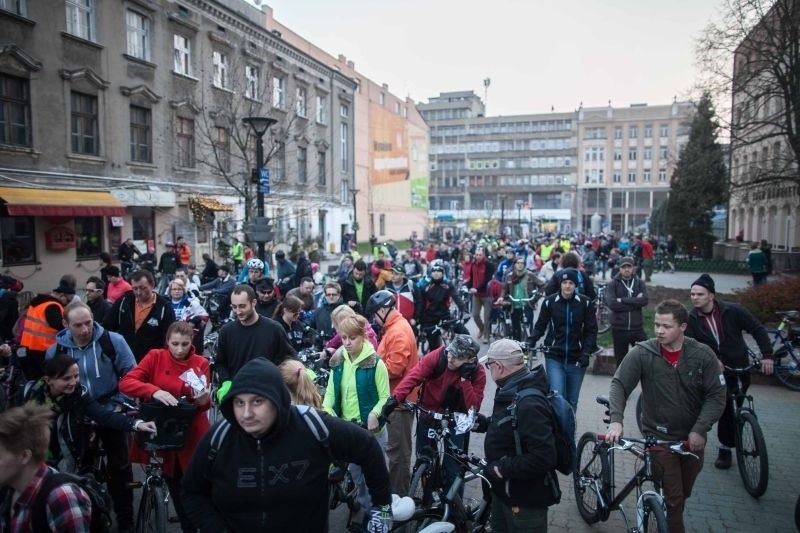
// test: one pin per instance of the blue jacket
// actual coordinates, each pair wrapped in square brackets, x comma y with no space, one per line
[96,371]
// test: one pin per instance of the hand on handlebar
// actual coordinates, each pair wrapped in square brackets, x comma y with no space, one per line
[614,432]
[696,442]
[767,366]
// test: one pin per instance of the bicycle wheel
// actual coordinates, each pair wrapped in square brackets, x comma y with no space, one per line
[751,455]
[788,372]
[500,329]
[417,490]
[152,515]
[654,516]
[603,319]
[589,478]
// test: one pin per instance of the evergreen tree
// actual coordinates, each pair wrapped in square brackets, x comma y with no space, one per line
[699,183]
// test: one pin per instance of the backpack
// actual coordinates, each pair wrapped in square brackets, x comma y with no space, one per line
[310,415]
[563,422]
[97,492]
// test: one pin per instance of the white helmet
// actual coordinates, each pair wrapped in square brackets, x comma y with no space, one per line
[256,264]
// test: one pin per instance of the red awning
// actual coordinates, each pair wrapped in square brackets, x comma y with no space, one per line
[61,203]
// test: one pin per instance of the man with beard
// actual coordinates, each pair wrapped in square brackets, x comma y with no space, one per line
[248,337]
[358,287]
[432,305]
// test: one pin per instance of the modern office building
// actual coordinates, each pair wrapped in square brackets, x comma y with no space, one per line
[516,172]
[626,159]
[123,119]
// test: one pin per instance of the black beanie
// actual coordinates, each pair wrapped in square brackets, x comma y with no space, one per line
[706,282]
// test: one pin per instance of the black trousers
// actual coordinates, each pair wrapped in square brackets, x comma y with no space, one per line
[435,338]
[726,428]
[116,444]
[516,323]
[624,339]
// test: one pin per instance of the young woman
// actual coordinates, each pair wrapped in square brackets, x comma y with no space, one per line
[339,314]
[357,388]
[60,388]
[288,315]
[188,309]
[158,377]
[301,388]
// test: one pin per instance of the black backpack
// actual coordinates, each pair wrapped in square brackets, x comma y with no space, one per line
[97,492]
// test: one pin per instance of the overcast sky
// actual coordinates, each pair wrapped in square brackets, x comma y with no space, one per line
[537,53]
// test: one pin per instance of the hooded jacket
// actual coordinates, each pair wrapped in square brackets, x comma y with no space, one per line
[675,400]
[571,327]
[627,313]
[153,330]
[398,348]
[97,373]
[359,387]
[528,479]
[277,482]
[350,294]
[432,301]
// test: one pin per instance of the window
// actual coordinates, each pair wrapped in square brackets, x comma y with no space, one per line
[382,225]
[300,102]
[648,131]
[618,132]
[183,55]
[15,111]
[344,111]
[19,241]
[141,141]
[89,231]
[632,132]
[84,124]
[322,109]
[278,92]
[15,6]
[663,131]
[617,154]
[383,98]
[138,35]
[321,180]
[648,154]
[397,107]
[80,18]
[279,164]
[251,87]
[617,177]
[662,176]
[302,154]
[631,177]
[663,152]
[631,154]
[184,135]
[222,149]
[143,222]
[220,61]
[343,143]
[646,176]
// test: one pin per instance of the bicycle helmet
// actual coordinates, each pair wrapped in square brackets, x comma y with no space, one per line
[463,347]
[379,300]
[437,265]
[256,264]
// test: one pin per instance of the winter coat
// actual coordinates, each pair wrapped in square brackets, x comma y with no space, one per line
[398,348]
[531,283]
[160,371]
[675,400]
[528,478]
[100,308]
[349,395]
[627,313]
[480,277]
[151,334]
[432,302]
[277,482]
[732,348]
[571,328]
[349,293]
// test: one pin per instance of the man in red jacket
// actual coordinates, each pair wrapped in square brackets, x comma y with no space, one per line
[478,284]
[452,379]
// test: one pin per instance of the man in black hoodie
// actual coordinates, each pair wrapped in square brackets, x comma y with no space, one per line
[626,295]
[524,484]
[270,472]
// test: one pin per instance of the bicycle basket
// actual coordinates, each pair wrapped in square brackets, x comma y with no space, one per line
[172,423]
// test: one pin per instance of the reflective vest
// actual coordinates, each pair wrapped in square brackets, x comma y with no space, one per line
[36,332]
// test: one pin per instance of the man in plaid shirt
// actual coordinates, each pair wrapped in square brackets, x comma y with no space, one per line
[24,436]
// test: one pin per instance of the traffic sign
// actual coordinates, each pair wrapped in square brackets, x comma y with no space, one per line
[263,182]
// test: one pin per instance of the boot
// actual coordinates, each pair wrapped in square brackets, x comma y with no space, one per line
[723,462]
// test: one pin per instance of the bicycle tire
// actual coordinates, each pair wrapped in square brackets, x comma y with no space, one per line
[751,454]
[416,489]
[500,329]
[654,516]
[603,320]
[591,466]
[152,514]
[788,373]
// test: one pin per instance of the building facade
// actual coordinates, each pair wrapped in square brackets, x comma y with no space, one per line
[518,173]
[390,143]
[626,159]
[123,119]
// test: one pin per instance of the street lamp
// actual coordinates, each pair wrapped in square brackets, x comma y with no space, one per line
[355,218]
[259,125]
[502,214]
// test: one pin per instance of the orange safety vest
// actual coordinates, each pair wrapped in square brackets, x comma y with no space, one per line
[37,334]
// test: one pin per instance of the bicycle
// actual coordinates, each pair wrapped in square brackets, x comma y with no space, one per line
[444,329]
[529,306]
[595,487]
[751,448]
[210,353]
[787,359]
[500,327]
[12,382]
[601,311]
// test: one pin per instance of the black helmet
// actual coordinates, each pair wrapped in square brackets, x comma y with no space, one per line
[379,300]
[463,347]
[280,254]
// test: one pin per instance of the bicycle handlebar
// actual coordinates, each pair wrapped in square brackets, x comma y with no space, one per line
[680,447]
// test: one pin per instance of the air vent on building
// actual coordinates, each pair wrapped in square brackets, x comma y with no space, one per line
[182,11]
[220,28]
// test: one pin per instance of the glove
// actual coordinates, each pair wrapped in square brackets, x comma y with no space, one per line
[583,360]
[467,370]
[389,407]
[378,520]
[481,423]
[223,390]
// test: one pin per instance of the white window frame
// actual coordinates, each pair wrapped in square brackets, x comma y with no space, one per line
[301,102]
[220,61]
[322,109]
[80,18]
[137,28]
[278,92]
[344,111]
[182,51]
[19,7]
[251,89]
[344,141]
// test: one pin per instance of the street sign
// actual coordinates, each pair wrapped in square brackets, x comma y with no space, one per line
[263,181]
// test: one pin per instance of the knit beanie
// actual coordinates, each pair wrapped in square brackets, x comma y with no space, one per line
[706,282]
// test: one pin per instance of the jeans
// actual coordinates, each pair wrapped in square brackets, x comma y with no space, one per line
[505,519]
[565,379]
[679,473]
[450,466]
[364,499]
[398,450]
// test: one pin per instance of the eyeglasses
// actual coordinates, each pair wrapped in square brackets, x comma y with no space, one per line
[331,294]
[488,364]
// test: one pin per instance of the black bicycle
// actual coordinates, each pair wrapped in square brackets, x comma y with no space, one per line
[595,486]
[785,339]
[601,310]
[444,330]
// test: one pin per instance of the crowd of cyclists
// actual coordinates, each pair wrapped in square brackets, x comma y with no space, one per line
[141,333]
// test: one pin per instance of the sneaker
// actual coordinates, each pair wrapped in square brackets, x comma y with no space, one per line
[724,460]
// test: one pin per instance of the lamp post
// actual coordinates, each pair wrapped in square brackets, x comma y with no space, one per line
[259,125]
[502,214]
[355,217]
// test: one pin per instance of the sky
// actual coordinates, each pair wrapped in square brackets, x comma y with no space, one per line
[539,55]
